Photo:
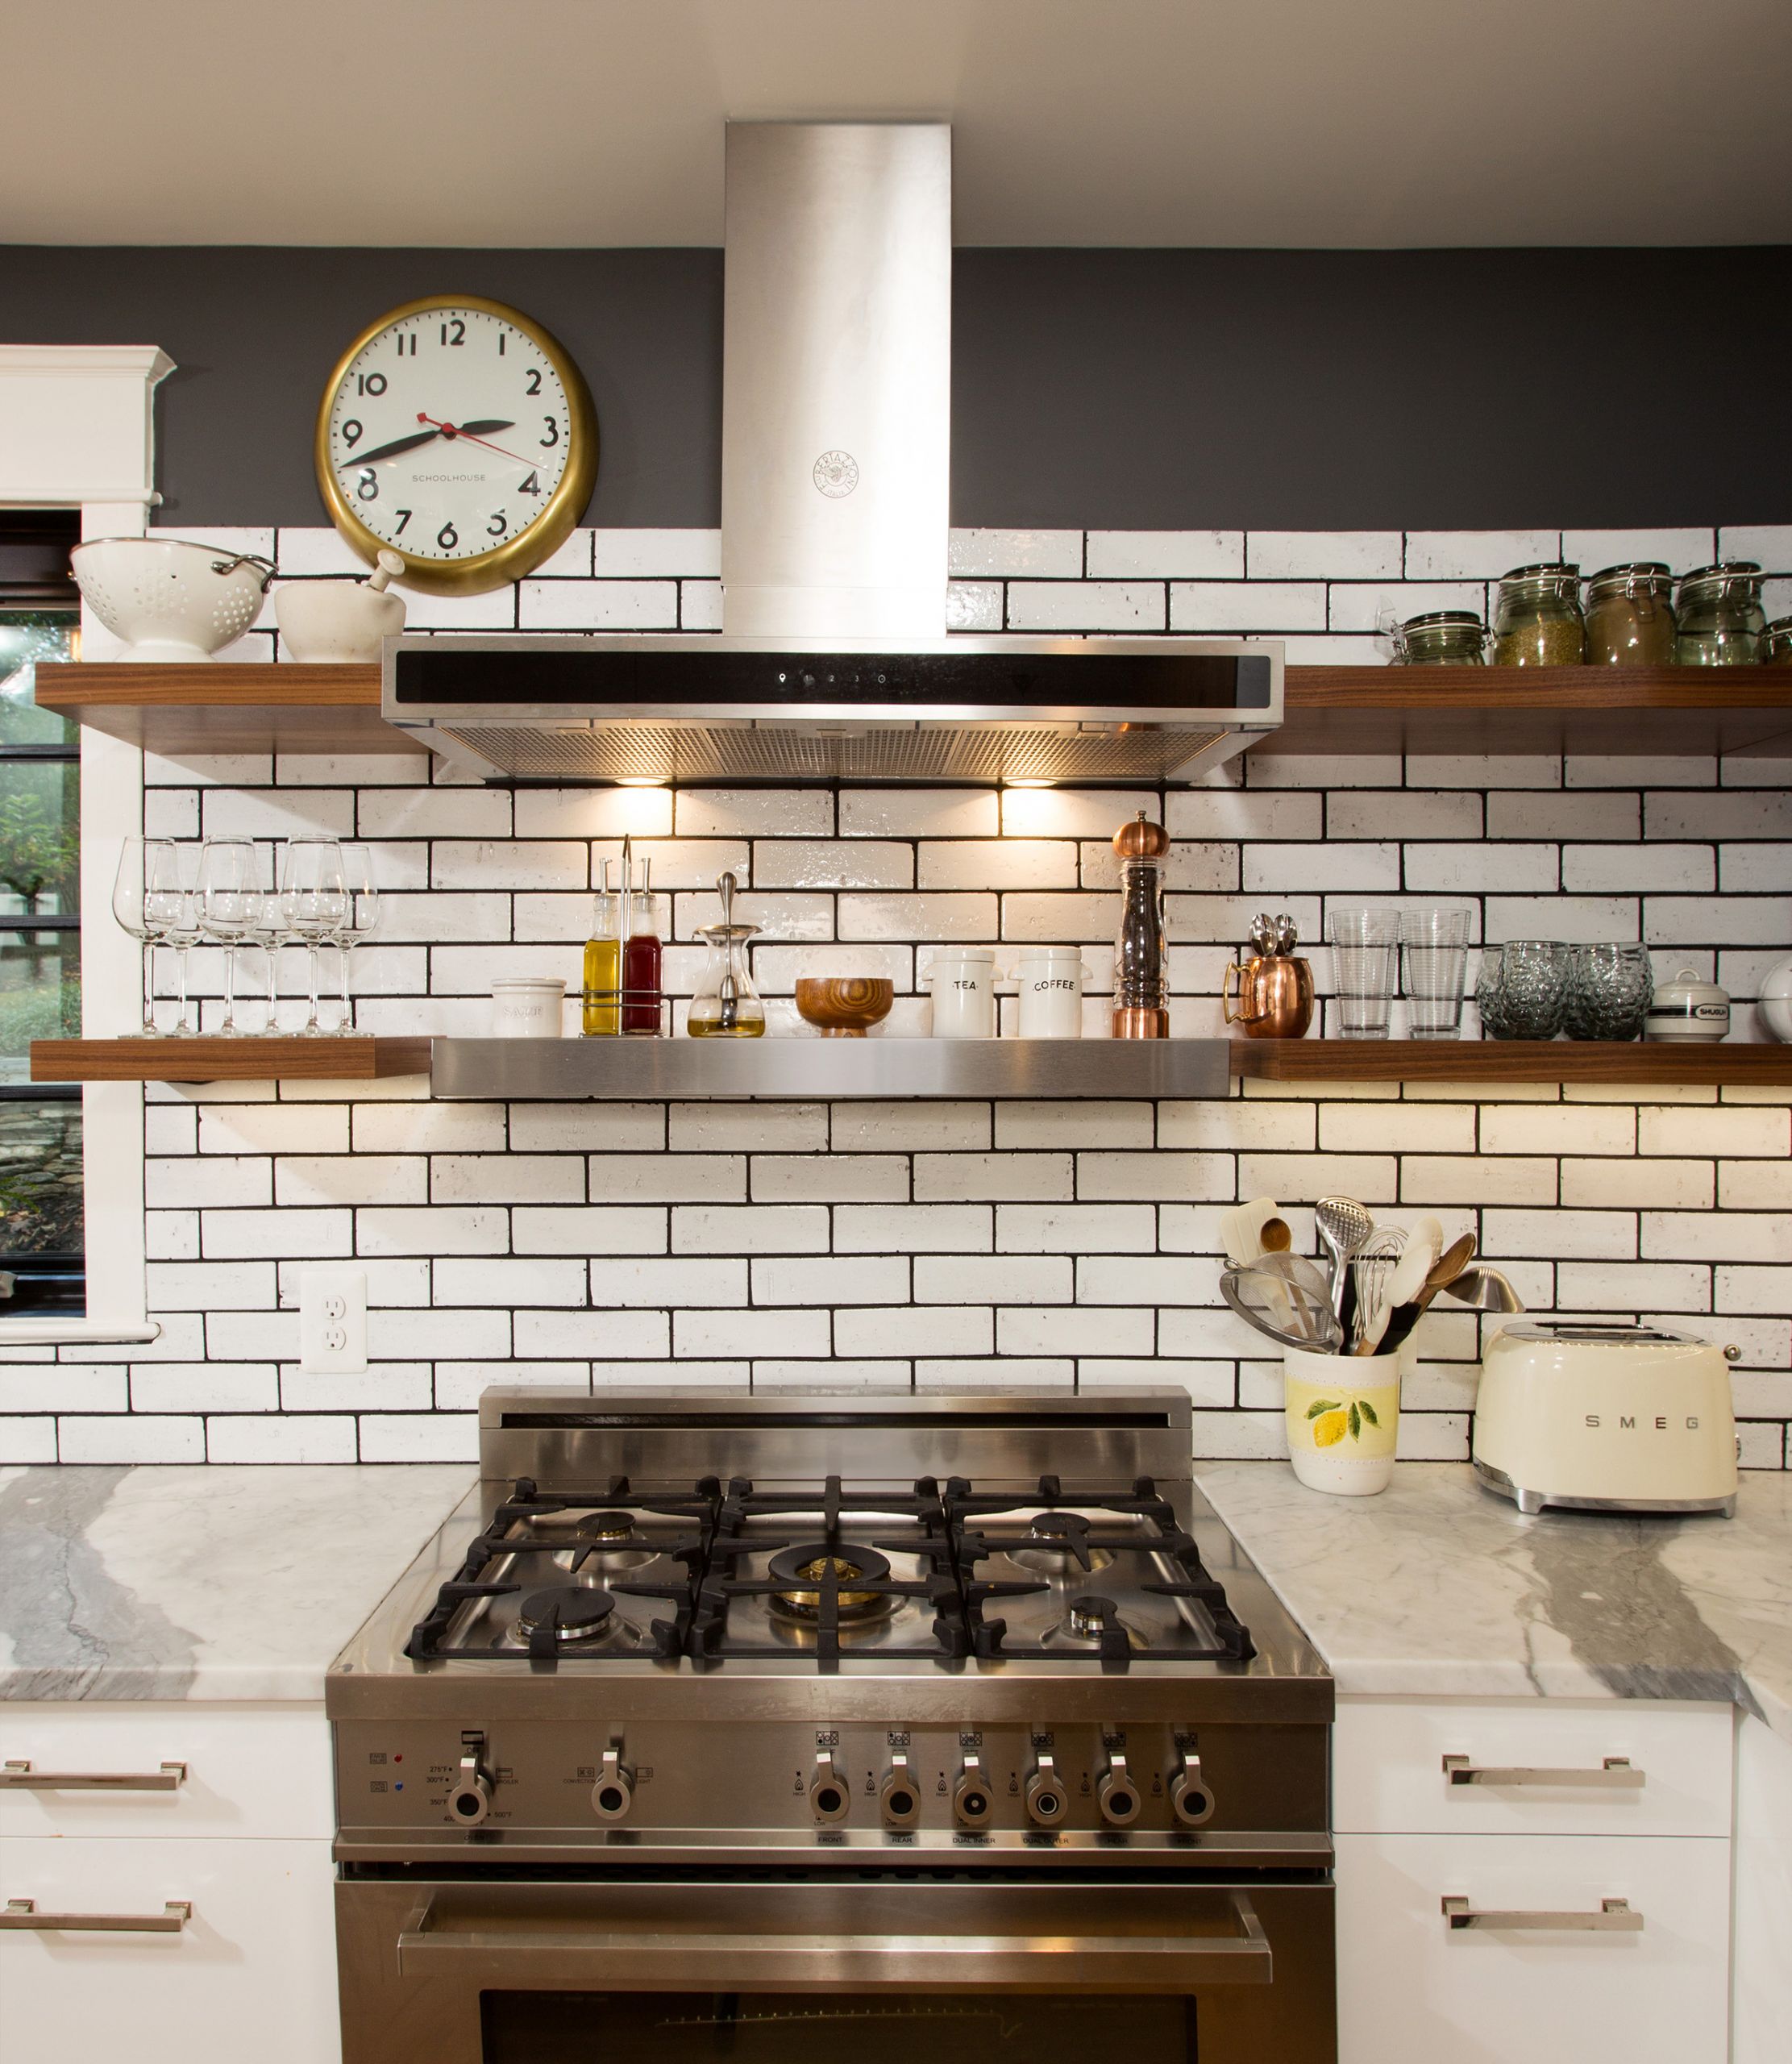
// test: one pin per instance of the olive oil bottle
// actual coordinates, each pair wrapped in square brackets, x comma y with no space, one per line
[603,980]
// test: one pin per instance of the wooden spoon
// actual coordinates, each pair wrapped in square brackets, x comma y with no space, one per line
[1274,1236]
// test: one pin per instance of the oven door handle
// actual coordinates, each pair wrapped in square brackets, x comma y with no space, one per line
[568,1955]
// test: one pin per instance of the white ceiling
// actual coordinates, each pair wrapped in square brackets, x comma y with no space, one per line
[1241,123]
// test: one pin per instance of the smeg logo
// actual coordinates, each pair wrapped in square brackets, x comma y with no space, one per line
[1629,1423]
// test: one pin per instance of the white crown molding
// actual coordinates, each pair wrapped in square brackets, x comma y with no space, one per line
[77,423]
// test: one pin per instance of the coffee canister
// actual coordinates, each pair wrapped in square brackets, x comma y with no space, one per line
[963,983]
[1688,1008]
[1048,981]
[527,1006]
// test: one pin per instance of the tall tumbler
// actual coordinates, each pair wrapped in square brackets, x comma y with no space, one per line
[1365,949]
[1435,949]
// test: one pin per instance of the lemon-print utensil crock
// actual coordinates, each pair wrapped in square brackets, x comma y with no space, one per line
[1344,1419]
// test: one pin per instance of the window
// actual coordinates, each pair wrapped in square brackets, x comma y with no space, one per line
[41,1230]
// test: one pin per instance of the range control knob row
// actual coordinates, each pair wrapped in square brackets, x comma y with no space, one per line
[613,1793]
[829,1799]
[899,1797]
[973,1803]
[471,1799]
[1047,1801]
[1190,1793]
[1115,1793]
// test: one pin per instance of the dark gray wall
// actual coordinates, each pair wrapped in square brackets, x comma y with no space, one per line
[1134,389]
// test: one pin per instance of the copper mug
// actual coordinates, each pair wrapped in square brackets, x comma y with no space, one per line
[1275,997]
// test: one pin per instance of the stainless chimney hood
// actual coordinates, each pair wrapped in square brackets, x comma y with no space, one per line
[834,664]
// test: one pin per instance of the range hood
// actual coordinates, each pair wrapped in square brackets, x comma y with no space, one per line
[834,664]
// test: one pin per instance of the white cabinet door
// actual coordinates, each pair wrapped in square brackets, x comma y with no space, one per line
[1519,1760]
[259,1770]
[1764,1896]
[251,1975]
[1412,1990]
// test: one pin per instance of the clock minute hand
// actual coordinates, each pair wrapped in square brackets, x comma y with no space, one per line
[391,450]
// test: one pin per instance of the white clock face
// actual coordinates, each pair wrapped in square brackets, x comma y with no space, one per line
[448,433]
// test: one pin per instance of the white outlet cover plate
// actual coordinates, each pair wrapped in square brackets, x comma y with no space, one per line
[333,1321]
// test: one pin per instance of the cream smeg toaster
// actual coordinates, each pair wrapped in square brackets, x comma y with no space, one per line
[1606,1418]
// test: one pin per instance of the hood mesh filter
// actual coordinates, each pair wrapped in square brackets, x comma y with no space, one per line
[924,752]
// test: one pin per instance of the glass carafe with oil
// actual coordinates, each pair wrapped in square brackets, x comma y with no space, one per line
[601,1018]
[727,1005]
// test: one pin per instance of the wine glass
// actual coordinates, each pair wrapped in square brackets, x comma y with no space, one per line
[270,934]
[361,918]
[136,861]
[229,899]
[312,901]
[170,907]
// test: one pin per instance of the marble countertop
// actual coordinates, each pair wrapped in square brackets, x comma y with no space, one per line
[201,1582]
[1438,1588]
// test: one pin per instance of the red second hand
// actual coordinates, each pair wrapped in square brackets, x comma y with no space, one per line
[448,429]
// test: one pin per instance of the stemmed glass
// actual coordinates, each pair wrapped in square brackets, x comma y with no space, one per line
[171,910]
[361,918]
[136,862]
[270,934]
[231,897]
[313,902]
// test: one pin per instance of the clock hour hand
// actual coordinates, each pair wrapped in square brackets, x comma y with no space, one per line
[391,450]
[485,429]
[470,433]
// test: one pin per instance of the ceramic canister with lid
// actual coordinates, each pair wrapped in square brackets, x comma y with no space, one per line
[1774,1009]
[963,983]
[1688,1008]
[1049,981]
[526,1006]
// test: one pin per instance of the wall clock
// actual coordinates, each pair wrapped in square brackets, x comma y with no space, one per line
[461,435]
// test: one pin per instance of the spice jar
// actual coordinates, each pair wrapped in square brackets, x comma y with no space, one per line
[1441,637]
[1630,616]
[1776,642]
[1720,617]
[1537,620]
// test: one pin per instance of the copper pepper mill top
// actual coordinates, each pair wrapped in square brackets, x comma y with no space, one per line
[1141,978]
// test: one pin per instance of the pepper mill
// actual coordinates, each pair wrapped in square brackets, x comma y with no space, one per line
[1142,986]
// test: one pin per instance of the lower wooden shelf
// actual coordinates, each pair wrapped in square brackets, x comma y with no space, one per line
[253,1059]
[1509,1060]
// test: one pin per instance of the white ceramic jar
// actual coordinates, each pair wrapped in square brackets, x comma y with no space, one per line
[527,1006]
[1049,981]
[963,983]
[1688,1008]
[1774,1010]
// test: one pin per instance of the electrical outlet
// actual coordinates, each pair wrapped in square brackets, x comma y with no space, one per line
[333,1321]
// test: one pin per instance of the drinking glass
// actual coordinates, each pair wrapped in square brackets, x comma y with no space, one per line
[1365,946]
[312,901]
[1489,994]
[130,887]
[1609,988]
[361,918]
[231,897]
[1435,949]
[170,907]
[1533,989]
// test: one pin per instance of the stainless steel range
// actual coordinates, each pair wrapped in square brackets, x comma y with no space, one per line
[712,1726]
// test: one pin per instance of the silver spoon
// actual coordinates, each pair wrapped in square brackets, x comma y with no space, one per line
[1344,1227]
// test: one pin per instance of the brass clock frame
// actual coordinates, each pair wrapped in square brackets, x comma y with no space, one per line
[516,557]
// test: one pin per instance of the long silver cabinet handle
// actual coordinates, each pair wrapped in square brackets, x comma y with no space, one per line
[1615,1773]
[18,1775]
[1615,1917]
[173,1917]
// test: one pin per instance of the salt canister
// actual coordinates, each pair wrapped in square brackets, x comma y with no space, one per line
[527,1006]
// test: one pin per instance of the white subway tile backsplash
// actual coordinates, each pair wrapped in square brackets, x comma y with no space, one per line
[1324,554]
[1134,605]
[1003,554]
[1476,554]
[1236,605]
[1166,555]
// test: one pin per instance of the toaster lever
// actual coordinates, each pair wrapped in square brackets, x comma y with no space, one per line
[1615,1773]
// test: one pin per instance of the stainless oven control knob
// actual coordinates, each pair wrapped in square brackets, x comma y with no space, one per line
[1189,1792]
[471,1799]
[1117,1794]
[1047,1801]
[973,1803]
[613,1794]
[898,1796]
[828,1797]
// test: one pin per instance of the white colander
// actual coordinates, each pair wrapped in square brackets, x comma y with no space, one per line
[167,599]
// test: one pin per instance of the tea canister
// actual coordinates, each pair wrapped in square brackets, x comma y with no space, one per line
[526,1006]
[1630,616]
[1688,1008]
[963,983]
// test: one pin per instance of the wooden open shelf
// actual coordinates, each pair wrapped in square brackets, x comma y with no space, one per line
[1620,711]
[1510,1060]
[250,1059]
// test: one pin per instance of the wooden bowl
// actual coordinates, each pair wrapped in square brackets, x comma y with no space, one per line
[844,1006]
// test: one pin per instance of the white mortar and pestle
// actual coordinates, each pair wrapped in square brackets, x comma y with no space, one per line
[341,620]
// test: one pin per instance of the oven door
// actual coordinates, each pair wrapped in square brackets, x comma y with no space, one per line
[673,1970]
